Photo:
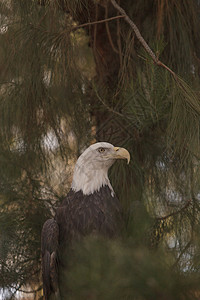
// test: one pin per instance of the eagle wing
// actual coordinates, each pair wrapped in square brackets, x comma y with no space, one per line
[49,245]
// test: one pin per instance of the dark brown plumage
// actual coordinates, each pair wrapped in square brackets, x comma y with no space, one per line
[78,216]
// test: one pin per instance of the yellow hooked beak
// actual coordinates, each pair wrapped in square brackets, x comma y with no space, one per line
[122,153]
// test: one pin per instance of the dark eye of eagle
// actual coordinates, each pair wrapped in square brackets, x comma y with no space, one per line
[101,150]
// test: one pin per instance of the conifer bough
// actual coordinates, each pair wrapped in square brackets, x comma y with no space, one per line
[141,39]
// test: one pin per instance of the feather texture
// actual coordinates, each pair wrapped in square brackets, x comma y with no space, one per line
[79,215]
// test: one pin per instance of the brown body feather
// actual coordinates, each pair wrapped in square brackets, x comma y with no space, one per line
[79,215]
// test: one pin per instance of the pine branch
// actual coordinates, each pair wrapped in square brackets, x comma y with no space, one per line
[188,203]
[135,29]
[189,97]
[142,40]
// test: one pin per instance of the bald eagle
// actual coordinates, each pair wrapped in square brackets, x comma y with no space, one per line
[90,207]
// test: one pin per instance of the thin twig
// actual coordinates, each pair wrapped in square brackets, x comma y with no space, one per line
[96,22]
[181,254]
[108,31]
[32,291]
[160,18]
[188,203]
[119,42]
[42,18]
[95,30]
[108,108]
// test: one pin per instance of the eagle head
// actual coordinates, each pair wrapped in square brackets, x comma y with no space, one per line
[91,169]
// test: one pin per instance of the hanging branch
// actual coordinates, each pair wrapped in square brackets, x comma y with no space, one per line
[189,95]
[142,40]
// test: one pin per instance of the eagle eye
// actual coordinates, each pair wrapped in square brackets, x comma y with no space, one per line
[101,150]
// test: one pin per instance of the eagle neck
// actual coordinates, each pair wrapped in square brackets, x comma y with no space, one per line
[90,180]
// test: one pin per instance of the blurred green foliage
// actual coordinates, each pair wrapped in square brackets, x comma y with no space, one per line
[100,269]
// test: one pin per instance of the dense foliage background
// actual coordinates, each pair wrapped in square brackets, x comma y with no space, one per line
[68,80]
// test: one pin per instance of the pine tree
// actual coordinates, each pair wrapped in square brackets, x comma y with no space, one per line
[126,72]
